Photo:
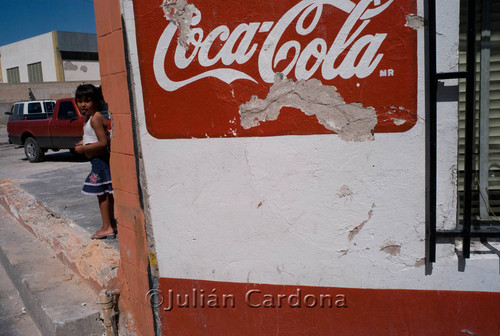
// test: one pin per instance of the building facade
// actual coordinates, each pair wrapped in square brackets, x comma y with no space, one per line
[52,57]
[276,172]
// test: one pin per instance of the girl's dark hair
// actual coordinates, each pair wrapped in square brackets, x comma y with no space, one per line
[91,92]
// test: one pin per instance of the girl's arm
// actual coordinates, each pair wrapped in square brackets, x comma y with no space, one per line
[101,146]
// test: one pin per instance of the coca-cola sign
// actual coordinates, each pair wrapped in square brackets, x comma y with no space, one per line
[220,68]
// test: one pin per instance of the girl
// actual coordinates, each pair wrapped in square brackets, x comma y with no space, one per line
[95,146]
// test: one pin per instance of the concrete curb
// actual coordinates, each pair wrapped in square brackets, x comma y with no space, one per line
[93,260]
[59,302]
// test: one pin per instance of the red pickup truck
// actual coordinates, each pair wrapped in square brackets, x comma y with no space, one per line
[62,130]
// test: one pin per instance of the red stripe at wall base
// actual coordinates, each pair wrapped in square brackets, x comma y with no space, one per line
[195,307]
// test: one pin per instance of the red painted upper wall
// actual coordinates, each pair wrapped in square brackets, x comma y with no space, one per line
[362,51]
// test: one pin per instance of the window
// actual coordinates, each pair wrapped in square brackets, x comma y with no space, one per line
[486,145]
[66,111]
[35,72]
[79,56]
[18,109]
[49,107]
[34,108]
[13,75]
[478,133]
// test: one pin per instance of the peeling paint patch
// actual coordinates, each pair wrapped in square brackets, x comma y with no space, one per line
[420,262]
[180,13]
[467,332]
[414,21]
[69,66]
[343,252]
[398,122]
[345,191]
[391,248]
[358,228]
[352,122]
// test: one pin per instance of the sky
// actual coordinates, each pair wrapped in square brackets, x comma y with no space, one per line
[22,19]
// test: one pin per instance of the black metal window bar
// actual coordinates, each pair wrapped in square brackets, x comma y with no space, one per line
[466,231]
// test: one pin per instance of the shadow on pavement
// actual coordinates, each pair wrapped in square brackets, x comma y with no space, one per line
[65,156]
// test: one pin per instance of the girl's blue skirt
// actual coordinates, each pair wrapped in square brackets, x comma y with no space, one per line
[99,180]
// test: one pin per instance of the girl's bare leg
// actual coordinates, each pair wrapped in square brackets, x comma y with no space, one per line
[106,206]
[111,207]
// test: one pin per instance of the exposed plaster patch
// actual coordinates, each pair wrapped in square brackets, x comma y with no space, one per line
[467,332]
[180,13]
[69,66]
[352,122]
[391,248]
[398,122]
[420,262]
[345,191]
[414,21]
[358,228]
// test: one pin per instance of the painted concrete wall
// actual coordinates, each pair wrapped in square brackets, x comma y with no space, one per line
[36,49]
[81,70]
[307,210]
[303,213]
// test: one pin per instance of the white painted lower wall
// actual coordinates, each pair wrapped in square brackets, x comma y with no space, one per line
[279,211]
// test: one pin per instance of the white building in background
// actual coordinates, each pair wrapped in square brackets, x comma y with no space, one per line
[52,57]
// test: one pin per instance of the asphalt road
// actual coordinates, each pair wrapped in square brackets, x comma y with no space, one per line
[14,165]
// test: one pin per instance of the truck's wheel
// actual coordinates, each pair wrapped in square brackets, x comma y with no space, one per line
[33,151]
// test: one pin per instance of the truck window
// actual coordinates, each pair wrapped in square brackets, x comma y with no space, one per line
[18,109]
[66,110]
[49,106]
[34,108]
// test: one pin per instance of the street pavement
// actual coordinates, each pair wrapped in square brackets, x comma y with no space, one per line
[3,135]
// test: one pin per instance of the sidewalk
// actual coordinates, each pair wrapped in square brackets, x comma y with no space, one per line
[14,320]
[57,299]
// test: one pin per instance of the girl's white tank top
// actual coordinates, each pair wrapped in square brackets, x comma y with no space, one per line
[89,135]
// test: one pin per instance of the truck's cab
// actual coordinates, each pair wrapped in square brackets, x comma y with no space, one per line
[61,128]
[35,109]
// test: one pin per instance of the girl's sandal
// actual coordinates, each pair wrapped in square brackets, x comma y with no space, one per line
[104,236]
